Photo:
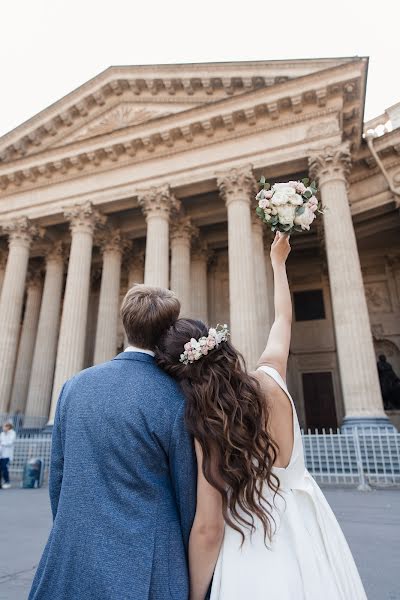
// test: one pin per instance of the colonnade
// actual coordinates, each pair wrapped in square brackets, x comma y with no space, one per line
[50,347]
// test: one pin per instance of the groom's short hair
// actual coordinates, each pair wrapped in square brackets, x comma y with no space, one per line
[147,312]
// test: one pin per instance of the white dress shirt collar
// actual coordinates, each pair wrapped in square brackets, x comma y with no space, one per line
[142,350]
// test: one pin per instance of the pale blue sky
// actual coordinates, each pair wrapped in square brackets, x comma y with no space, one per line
[50,47]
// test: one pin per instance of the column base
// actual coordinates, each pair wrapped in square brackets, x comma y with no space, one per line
[380,423]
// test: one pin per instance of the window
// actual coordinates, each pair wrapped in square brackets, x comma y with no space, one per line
[309,305]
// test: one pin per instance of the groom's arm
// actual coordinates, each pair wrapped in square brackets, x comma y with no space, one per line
[57,459]
[183,469]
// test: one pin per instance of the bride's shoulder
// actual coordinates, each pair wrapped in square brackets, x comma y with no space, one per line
[273,392]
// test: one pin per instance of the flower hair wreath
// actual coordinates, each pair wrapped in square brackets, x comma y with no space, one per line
[195,349]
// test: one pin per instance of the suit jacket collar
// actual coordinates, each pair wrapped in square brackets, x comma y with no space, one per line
[140,356]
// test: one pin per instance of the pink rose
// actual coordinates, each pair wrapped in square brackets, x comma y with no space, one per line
[188,346]
[312,200]
[293,184]
[263,203]
[300,187]
[269,194]
[204,350]
[211,343]
[313,208]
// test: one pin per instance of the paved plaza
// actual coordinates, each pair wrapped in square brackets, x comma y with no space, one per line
[371,522]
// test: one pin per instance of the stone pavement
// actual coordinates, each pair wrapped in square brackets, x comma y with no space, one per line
[371,522]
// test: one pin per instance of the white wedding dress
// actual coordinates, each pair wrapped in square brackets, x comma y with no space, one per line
[308,557]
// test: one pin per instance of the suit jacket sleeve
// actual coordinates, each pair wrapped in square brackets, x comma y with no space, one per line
[57,459]
[183,470]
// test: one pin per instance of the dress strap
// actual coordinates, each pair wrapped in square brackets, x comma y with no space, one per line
[276,377]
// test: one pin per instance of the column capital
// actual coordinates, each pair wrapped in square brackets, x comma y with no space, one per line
[111,240]
[158,201]
[134,255]
[55,252]
[34,278]
[84,218]
[21,231]
[330,163]
[200,250]
[237,183]
[182,229]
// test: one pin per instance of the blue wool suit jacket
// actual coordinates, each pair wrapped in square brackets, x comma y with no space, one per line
[122,487]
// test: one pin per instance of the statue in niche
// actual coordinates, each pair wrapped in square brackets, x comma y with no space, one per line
[390,384]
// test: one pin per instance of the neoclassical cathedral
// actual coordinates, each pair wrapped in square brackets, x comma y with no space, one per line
[148,174]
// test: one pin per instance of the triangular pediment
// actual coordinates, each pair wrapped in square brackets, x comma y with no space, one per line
[123,114]
[131,95]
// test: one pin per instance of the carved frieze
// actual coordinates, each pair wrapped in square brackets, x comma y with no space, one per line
[378,297]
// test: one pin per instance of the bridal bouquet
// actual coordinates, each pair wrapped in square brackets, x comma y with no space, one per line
[288,207]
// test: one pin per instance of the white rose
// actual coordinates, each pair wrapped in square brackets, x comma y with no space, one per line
[283,194]
[286,214]
[297,200]
[305,219]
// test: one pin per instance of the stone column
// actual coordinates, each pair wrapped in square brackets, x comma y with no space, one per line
[27,342]
[157,204]
[71,343]
[356,356]
[198,282]
[21,232]
[260,273]
[107,321]
[44,356]
[181,235]
[135,260]
[238,188]
[3,262]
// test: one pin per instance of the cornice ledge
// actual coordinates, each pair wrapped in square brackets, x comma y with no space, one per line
[142,149]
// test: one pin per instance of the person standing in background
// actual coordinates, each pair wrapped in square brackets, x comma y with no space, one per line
[7,442]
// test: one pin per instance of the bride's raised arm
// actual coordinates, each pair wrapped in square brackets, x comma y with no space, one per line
[277,349]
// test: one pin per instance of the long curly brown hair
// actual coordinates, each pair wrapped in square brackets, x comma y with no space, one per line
[228,415]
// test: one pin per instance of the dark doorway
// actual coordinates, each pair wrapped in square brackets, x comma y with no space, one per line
[319,401]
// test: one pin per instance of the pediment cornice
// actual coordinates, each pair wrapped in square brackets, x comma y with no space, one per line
[267,107]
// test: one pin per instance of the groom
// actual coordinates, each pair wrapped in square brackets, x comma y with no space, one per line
[123,473]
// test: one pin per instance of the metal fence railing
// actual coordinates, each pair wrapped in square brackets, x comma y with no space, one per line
[30,447]
[360,457]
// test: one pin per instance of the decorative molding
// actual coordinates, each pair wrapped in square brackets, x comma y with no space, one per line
[142,148]
[330,163]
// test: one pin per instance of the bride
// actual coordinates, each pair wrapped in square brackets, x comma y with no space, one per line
[263,529]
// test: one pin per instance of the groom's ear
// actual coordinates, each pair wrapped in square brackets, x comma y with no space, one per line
[147,312]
